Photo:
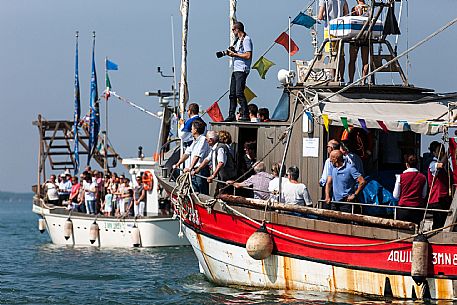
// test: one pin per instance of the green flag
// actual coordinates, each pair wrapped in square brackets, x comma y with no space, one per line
[107,81]
[262,65]
[344,121]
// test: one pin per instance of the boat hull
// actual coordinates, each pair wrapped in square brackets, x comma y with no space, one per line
[113,232]
[229,264]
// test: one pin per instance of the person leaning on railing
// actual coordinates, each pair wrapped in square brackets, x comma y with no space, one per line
[410,190]
[344,183]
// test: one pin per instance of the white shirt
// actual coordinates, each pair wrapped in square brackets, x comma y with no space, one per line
[65,186]
[88,194]
[295,193]
[214,157]
[326,172]
[397,189]
[198,148]
[52,191]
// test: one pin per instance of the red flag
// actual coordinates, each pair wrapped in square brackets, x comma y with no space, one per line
[215,112]
[283,40]
[383,126]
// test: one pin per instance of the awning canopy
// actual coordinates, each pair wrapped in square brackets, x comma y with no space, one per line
[425,117]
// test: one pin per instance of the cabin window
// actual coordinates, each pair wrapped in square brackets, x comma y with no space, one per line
[281,112]
[382,153]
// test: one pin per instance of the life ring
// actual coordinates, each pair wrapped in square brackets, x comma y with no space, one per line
[148,180]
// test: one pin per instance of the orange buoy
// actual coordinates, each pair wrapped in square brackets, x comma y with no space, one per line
[148,180]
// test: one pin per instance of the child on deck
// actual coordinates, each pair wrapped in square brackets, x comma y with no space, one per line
[107,205]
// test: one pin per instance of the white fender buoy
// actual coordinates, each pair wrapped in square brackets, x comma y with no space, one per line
[93,232]
[41,225]
[136,238]
[419,259]
[260,244]
[67,229]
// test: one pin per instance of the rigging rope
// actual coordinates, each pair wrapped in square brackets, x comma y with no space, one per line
[135,105]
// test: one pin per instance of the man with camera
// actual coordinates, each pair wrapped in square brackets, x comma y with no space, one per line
[241,52]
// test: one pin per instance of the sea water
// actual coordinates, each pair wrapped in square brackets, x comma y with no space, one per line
[34,271]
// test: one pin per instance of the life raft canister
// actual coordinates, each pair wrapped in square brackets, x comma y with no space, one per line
[147,180]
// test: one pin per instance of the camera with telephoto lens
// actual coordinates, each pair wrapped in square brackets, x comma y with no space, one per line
[225,52]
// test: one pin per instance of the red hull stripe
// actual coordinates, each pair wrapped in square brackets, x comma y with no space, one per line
[390,258]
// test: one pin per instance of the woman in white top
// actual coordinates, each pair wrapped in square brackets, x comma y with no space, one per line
[294,192]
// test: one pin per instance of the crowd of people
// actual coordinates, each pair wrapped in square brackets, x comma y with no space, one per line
[209,157]
[343,180]
[93,193]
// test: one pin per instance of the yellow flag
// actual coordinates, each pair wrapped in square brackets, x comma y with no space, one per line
[249,94]
[326,121]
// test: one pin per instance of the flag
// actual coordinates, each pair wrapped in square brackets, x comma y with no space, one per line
[249,94]
[406,126]
[383,126]
[304,20]
[77,113]
[215,112]
[107,85]
[363,124]
[283,40]
[344,121]
[94,124]
[326,121]
[111,65]
[309,115]
[262,65]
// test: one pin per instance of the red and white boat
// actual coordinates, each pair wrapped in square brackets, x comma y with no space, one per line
[305,248]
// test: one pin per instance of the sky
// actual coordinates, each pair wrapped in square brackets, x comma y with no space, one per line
[37,63]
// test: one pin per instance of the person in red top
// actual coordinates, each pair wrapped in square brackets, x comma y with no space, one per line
[411,190]
[74,194]
[439,181]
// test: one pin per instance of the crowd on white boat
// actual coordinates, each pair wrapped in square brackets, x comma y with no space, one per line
[91,193]
[210,158]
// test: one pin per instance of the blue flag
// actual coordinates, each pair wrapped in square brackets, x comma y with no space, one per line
[304,20]
[94,124]
[77,113]
[111,65]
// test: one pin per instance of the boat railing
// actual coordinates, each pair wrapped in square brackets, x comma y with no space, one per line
[354,205]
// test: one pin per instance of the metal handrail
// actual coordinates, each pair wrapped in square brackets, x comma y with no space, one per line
[395,207]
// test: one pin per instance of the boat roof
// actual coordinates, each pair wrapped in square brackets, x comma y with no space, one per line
[139,161]
[424,114]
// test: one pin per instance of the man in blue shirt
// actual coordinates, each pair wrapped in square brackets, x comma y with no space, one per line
[345,182]
[185,132]
[242,58]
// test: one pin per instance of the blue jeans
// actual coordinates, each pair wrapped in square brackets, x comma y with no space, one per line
[237,86]
[90,206]
[200,184]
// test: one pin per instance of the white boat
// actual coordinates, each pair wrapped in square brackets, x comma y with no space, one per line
[77,229]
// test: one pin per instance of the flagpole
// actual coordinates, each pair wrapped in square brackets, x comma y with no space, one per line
[183,90]
[174,72]
[77,113]
[105,164]
[290,34]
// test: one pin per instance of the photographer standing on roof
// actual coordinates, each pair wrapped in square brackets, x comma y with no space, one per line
[242,58]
